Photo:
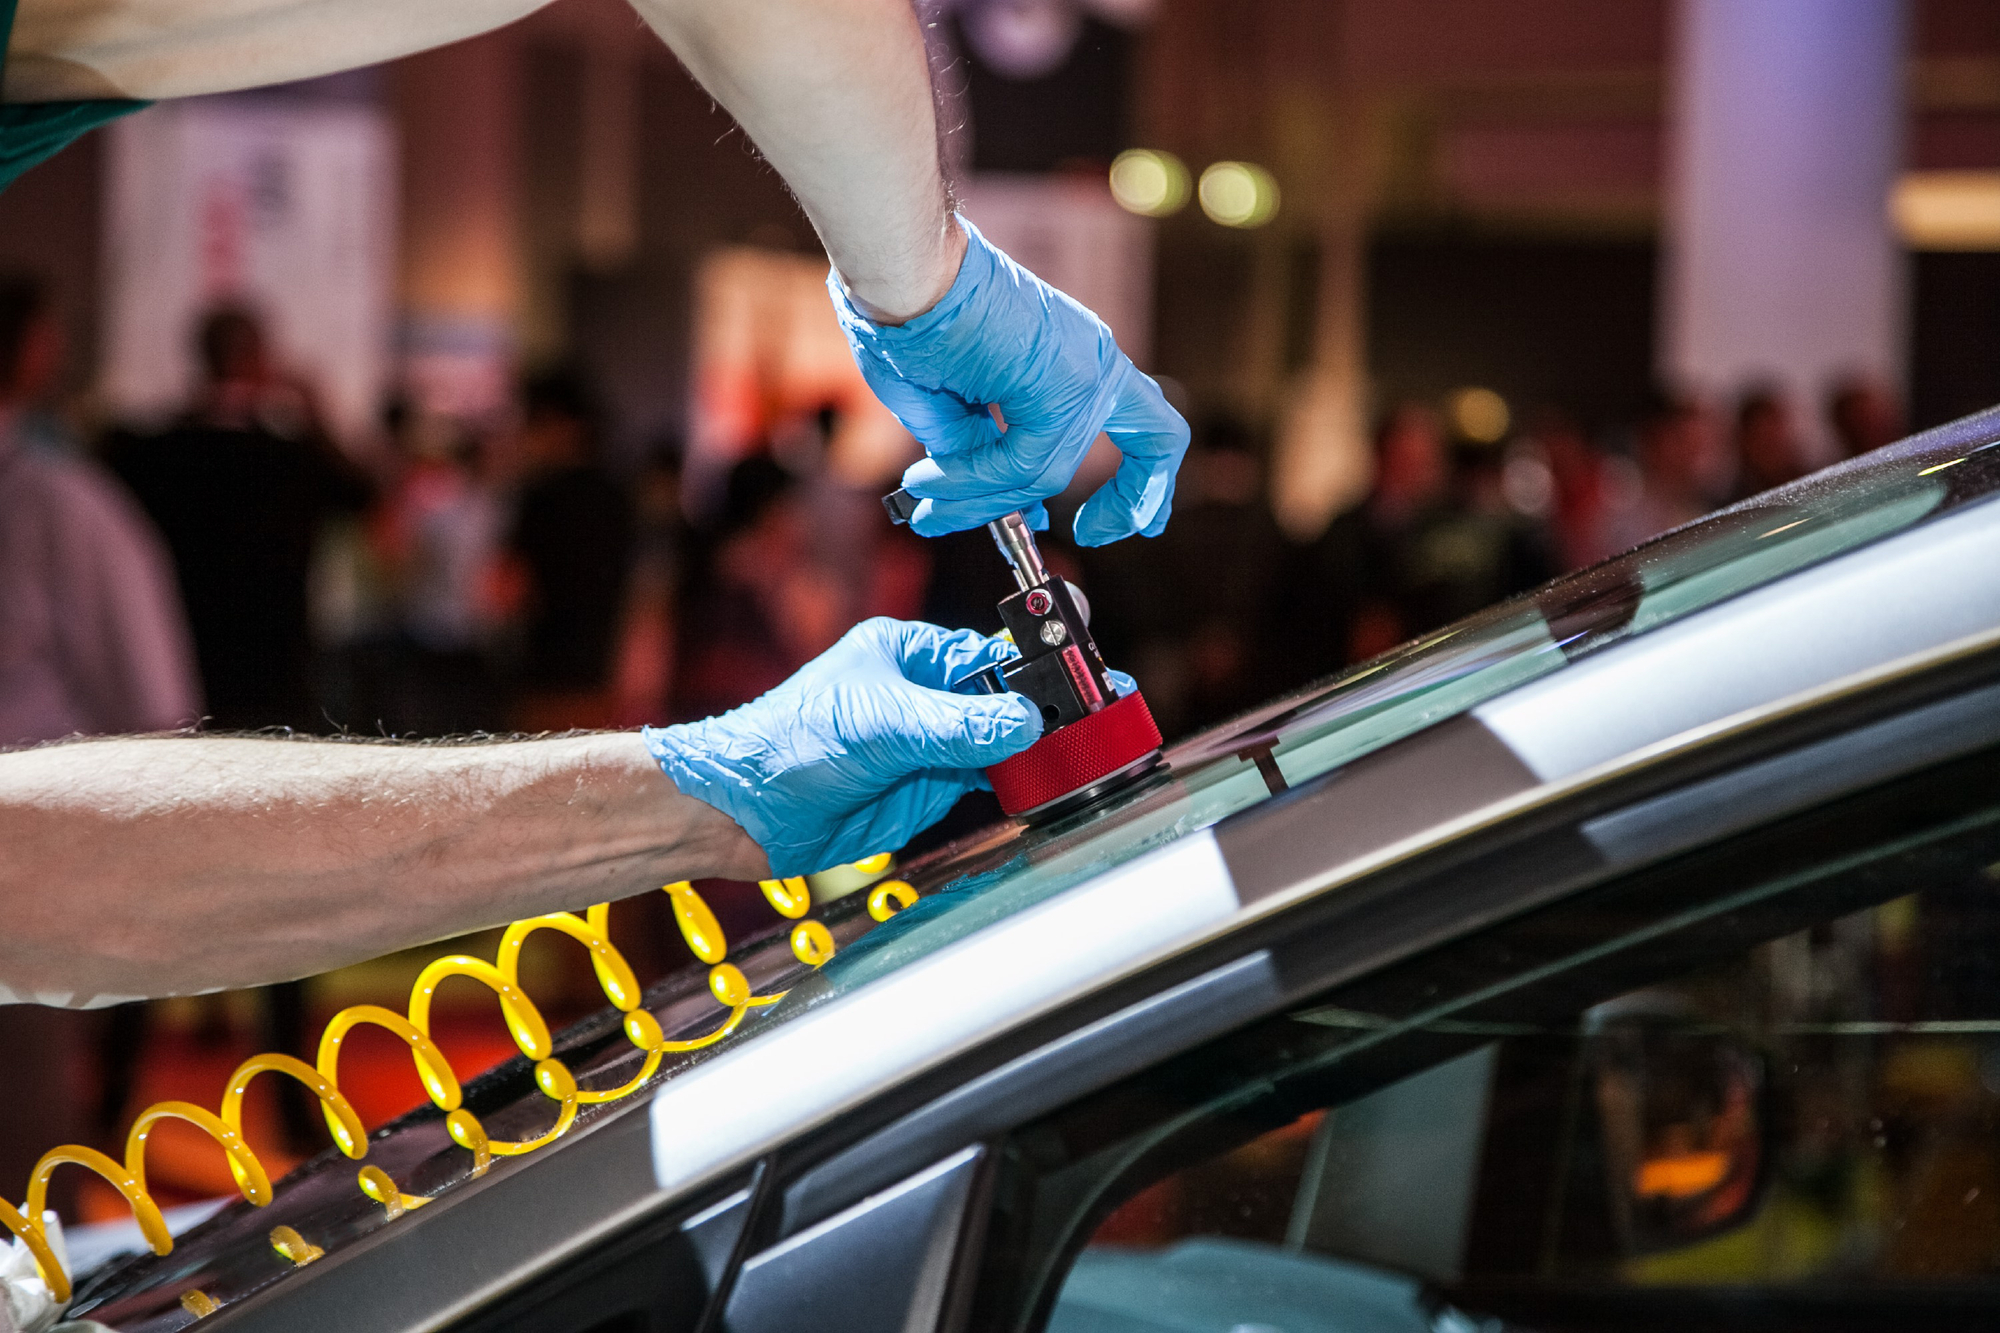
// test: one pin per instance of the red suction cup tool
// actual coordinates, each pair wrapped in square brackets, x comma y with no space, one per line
[1092,739]
[1072,766]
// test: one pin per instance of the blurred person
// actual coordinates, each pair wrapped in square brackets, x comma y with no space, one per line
[1682,467]
[758,605]
[1864,415]
[1587,490]
[240,487]
[1769,451]
[645,663]
[1318,626]
[1501,498]
[1412,477]
[870,569]
[438,534]
[92,639]
[92,642]
[876,568]
[1412,469]
[1223,559]
[38,420]
[1197,613]
[572,536]
[1441,541]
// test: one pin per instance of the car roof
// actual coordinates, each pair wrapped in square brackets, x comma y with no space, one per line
[1841,574]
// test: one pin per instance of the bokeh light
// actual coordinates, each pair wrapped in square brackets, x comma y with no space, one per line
[1149,182]
[1947,210]
[1480,415]
[1238,194]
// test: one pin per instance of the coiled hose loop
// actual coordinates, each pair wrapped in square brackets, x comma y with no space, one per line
[811,943]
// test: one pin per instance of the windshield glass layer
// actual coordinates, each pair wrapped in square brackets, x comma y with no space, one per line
[961,887]
[1322,728]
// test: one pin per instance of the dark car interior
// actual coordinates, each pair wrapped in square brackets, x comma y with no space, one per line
[1754,1086]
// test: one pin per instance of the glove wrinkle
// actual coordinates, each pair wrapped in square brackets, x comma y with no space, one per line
[859,751]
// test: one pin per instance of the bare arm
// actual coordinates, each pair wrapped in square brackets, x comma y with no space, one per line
[63,49]
[161,866]
[836,93]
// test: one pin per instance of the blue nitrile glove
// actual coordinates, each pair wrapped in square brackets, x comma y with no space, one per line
[1002,336]
[859,751]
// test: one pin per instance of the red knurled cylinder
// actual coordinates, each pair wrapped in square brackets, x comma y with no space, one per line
[1073,757]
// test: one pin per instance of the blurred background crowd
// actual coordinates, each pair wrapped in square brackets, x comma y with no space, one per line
[495,390]
[239,568]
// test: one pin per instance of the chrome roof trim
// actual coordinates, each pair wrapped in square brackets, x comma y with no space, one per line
[798,1077]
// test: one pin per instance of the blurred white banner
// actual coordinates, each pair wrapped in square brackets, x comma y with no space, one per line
[1780,266]
[288,209]
[768,355]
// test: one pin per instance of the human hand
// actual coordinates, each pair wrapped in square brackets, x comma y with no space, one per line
[859,751]
[1003,337]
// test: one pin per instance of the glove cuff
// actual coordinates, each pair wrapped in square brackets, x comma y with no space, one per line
[981,262]
[701,766]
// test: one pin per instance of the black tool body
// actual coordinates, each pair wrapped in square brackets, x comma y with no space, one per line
[1059,670]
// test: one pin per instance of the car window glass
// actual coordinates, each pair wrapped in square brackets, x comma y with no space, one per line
[1215,774]
[1776,540]
[1780,1071]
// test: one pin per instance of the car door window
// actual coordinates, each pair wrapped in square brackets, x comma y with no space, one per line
[1760,1082]
[658,1276]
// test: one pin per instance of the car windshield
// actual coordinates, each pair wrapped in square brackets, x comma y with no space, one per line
[1303,736]
[791,967]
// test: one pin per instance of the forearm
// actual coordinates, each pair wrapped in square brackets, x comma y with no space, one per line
[837,96]
[836,93]
[63,49]
[167,866]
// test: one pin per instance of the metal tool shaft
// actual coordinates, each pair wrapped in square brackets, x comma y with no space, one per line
[1016,541]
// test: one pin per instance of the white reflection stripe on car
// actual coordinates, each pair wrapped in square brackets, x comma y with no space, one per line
[849,1049]
[1924,588]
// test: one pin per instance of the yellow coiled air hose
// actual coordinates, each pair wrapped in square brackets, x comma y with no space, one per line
[811,943]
